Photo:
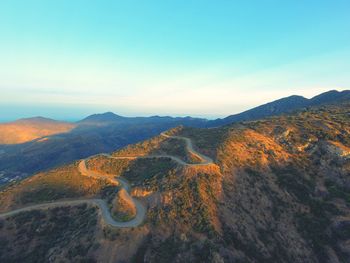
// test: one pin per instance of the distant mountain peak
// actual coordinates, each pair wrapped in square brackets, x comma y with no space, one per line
[29,129]
[102,117]
[284,105]
[330,97]
[36,119]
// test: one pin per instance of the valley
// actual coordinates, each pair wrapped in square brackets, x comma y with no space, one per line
[101,204]
[174,131]
[42,144]
[271,190]
[95,134]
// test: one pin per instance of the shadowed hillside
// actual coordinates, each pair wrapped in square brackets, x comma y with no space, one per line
[286,186]
[283,106]
[61,183]
[43,144]
[95,134]
[278,192]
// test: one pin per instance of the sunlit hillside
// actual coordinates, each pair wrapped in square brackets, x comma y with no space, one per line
[174,131]
[98,133]
[278,191]
[26,130]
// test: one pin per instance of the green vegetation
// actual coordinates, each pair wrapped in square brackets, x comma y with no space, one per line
[148,171]
[277,193]
[336,191]
[313,228]
[159,146]
[44,194]
[293,181]
[109,193]
[141,251]
[38,236]
[123,217]
[166,251]
[193,203]
[111,233]
[108,165]
[206,140]
[63,182]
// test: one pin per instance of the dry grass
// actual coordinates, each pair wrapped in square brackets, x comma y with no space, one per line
[276,193]
[123,206]
[20,132]
[64,182]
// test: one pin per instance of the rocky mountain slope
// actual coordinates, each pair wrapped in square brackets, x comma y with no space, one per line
[283,106]
[95,134]
[278,191]
[106,132]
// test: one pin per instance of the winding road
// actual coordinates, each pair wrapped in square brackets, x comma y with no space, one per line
[123,183]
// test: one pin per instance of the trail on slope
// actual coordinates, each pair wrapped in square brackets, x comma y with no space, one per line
[123,183]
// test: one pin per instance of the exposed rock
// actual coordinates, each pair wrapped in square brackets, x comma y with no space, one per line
[140,192]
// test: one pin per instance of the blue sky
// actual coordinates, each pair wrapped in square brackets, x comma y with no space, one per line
[69,58]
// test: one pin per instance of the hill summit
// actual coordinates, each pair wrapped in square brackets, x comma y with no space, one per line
[101,118]
[271,190]
[284,105]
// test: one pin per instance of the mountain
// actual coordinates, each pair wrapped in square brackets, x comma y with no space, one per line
[102,118]
[110,118]
[36,120]
[24,130]
[97,133]
[329,97]
[282,106]
[271,190]
[46,143]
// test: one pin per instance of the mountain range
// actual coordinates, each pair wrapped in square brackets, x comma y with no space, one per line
[272,190]
[283,106]
[40,143]
[94,134]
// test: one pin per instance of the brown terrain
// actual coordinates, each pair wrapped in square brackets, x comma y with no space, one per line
[26,130]
[43,144]
[278,191]
[123,208]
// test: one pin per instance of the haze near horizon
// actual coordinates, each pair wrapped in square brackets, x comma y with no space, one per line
[66,60]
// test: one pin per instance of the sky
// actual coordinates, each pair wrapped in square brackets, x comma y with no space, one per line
[70,58]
